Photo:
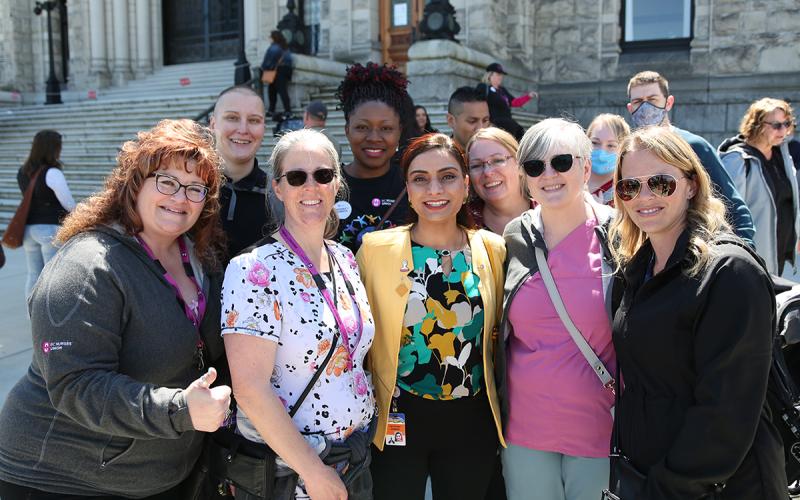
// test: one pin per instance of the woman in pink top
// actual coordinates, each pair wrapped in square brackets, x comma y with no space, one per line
[557,411]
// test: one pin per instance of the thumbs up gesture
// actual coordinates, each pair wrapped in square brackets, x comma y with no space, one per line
[207,406]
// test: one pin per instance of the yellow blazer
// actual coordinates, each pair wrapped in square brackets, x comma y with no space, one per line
[385,260]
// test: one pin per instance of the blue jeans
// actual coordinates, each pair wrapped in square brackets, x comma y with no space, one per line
[39,248]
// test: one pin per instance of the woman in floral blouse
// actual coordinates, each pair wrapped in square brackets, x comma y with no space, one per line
[434,286]
[287,304]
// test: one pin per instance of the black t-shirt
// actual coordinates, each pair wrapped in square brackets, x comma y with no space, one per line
[369,200]
[781,191]
[244,210]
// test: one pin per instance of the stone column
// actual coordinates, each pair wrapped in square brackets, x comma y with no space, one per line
[98,66]
[144,59]
[252,32]
[122,50]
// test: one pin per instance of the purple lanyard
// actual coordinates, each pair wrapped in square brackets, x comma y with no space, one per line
[326,294]
[194,314]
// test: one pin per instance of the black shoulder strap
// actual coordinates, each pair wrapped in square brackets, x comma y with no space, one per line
[314,379]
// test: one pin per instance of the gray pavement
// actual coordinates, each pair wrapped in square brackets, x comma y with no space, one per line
[15,328]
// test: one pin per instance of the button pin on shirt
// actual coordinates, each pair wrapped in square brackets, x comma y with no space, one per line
[404,267]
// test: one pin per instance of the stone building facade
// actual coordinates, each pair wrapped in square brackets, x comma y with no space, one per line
[572,51]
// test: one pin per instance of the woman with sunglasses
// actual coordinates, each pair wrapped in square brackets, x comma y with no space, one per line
[606,131]
[125,326]
[694,350]
[499,190]
[760,165]
[295,308]
[435,287]
[558,422]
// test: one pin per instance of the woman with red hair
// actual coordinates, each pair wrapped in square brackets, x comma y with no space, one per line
[125,324]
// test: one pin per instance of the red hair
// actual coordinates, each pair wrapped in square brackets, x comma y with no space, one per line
[169,142]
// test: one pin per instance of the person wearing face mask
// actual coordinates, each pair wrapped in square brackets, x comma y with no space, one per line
[649,104]
[760,165]
[606,133]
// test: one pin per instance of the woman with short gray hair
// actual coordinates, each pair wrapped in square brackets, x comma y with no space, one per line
[558,419]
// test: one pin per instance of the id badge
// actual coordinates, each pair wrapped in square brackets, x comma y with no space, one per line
[396,430]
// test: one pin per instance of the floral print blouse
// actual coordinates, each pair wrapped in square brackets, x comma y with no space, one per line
[440,348]
[268,293]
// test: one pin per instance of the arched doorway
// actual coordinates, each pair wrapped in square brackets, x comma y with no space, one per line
[200,30]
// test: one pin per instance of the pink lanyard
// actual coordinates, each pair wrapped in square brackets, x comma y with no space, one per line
[194,312]
[326,294]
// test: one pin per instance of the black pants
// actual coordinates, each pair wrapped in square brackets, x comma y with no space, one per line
[10,491]
[453,442]
[280,86]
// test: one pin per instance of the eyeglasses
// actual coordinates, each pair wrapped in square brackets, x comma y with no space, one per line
[299,177]
[494,162]
[662,185]
[169,185]
[560,163]
[779,125]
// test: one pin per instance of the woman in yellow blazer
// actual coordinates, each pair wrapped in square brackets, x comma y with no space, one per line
[435,288]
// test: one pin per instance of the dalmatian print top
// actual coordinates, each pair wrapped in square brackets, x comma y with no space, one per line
[268,293]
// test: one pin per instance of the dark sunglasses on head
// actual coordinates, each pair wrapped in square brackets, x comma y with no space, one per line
[659,184]
[560,163]
[299,177]
[779,125]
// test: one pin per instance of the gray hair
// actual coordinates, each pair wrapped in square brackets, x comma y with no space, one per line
[543,137]
[310,137]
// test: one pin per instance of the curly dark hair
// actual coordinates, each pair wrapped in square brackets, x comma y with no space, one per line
[374,82]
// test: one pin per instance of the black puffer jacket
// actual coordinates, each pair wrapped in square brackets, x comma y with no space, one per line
[695,355]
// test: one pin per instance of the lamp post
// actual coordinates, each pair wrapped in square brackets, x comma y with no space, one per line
[294,30]
[242,72]
[53,89]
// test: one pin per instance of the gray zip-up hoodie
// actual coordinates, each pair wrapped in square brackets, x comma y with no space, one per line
[747,174]
[101,409]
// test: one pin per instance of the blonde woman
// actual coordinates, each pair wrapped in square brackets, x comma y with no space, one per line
[501,101]
[499,189]
[763,171]
[606,131]
[694,350]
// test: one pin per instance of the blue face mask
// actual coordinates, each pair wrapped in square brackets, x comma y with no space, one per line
[603,162]
[648,114]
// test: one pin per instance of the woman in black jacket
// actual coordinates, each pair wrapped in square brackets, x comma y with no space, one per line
[693,333]
[501,101]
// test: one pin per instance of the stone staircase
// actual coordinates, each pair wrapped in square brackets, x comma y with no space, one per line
[94,129]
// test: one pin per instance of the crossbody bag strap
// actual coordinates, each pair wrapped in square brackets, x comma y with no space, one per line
[314,379]
[597,365]
[391,208]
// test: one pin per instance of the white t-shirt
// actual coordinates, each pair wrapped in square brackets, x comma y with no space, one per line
[269,293]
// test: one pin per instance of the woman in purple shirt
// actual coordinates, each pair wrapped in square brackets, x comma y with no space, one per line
[557,420]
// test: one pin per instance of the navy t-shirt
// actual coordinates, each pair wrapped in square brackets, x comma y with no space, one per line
[369,200]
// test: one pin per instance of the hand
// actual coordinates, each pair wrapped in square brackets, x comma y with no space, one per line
[207,406]
[323,483]
[533,94]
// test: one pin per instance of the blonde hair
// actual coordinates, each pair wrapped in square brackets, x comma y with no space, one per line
[754,119]
[647,77]
[705,217]
[511,145]
[619,127]
[309,137]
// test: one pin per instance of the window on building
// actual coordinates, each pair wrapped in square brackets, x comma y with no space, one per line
[656,24]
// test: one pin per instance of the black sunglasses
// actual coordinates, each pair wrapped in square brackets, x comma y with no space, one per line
[299,177]
[659,184]
[779,125]
[560,163]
